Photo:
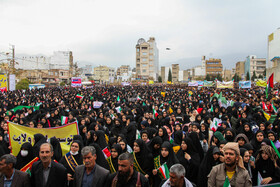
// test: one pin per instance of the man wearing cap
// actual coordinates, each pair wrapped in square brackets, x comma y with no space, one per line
[232,169]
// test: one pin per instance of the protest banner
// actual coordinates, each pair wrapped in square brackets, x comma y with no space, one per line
[244,84]
[19,134]
[208,84]
[3,82]
[225,84]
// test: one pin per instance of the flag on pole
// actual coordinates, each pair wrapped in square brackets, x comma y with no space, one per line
[79,96]
[226,183]
[144,104]
[138,98]
[269,84]
[266,115]
[215,123]
[274,108]
[138,134]
[170,110]
[163,94]
[155,113]
[163,170]
[118,99]
[64,120]
[27,167]
[212,109]
[118,109]
[264,106]
[106,152]
[171,140]
[275,149]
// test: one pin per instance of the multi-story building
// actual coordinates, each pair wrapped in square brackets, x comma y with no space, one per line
[227,75]
[214,67]
[175,73]
[240,68]
[147,62]
[254,64]
[104,74]
[124,69]
[273,57]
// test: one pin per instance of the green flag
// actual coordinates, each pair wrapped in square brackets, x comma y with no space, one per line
[226,183]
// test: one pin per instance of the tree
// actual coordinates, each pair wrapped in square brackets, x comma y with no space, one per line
[169,75]
[208,78]
[260,76]
[23,84]
[236,78]
[248,76]
[254,76]
[219,77]
[62,83]
[264,72]
[159,79]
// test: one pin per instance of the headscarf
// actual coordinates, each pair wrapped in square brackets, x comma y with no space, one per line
[39,140]
[101,141]
[155,140]
[171,159]
[22,161]
[56,148]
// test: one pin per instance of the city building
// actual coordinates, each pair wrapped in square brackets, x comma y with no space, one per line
[214,67]
[104,74]
[240,69]
[86,72]
[164,73]
[175,73]
[227,75]
[147,60]
[273,57]
[254,64]
[123,70]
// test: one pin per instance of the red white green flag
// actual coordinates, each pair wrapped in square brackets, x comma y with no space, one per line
[163,170]
[226,183]
[118,99]
[269,85]
[155,113]
[215,124]
[138,98]
[27,167]
[79,96]
[274,108]
[264,106]
[106,152]
[64,120]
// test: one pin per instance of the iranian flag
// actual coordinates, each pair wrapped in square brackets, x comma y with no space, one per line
[118,99]
[212,109]
[27,167]
[274,108]
[171,140]
[275,149]
[79,96]
[269,84]
[138,134]
[106,152]
[264,106]
[155,113]
[118,109]
[215,124]
[138,98]
[64,120]
[226,183]
[163,170]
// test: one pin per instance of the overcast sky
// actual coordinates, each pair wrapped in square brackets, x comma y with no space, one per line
[106,31]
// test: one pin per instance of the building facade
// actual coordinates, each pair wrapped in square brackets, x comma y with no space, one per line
[147,60]
[273,49]
[123,70]
[175,73]
[214,67]
[240,68]
[104,74]
[254,64]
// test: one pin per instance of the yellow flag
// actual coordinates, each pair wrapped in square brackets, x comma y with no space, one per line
[151,82]
[20,134]
[163,94]
[170,110]
[169,82]
[267,116]
[261,83]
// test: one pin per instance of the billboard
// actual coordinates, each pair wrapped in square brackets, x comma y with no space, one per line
[3,82]
[76,81]
[12,82]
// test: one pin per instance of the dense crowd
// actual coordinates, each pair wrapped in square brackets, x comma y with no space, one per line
[163,124]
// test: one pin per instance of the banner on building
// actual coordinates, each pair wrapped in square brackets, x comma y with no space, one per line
[192,84]
[36,86]
[126,83]
[244,84]
[223,84]
[12,82]
[76,81]
[19,134]
[3,82]
[208,84]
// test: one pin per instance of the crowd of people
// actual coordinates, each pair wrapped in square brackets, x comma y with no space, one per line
[158,125]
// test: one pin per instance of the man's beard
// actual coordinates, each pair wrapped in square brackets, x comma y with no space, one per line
[123,176]
[230,165]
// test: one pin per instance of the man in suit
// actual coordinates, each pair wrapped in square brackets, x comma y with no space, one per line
[90,174]
[46,172]
[9,175]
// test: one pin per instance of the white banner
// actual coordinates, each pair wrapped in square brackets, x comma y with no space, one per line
[12,82]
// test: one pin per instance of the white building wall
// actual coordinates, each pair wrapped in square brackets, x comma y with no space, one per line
[180,76]
[273,46]
[32,63]
[60,60]
[198,71]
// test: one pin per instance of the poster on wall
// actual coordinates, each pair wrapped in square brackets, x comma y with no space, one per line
[76,81]
[12,82]
[3,82]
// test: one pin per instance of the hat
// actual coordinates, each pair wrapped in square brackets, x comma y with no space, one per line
[216,150]
[234,146]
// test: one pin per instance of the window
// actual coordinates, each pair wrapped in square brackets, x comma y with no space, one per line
[144,48]
[144,71]
[137,49]
[144,65]
[144,53]
[144,60]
